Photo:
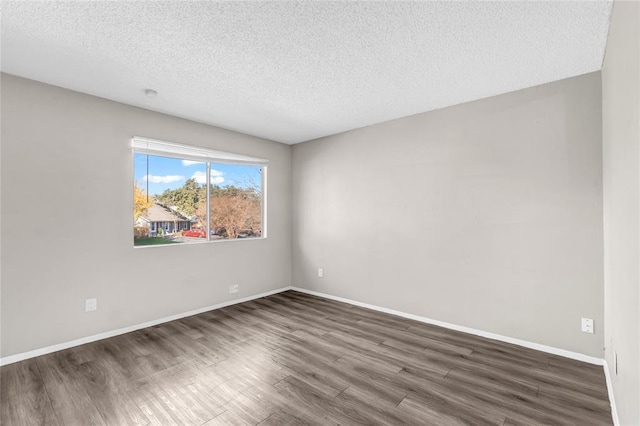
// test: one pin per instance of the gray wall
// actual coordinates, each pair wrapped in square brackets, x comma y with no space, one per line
[67,173]
[621,142]
[486,215]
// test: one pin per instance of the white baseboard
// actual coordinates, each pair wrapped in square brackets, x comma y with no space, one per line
[549,349]
[77,342]
[481,333]
[612,399]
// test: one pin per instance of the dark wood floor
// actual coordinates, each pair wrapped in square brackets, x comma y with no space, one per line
[296,359]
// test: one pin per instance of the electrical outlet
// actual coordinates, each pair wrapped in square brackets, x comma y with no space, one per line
[234,288]
[90,305]
[320,273]
[587,325]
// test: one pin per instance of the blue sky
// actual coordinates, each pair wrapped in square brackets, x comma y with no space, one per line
[171,173]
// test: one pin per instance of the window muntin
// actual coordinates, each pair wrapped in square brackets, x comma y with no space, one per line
[189,199]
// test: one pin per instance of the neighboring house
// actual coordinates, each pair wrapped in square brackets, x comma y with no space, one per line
[159,216]
[142,221]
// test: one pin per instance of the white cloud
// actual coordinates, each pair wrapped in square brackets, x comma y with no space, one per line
[187,163]
[162,179]
[201,177]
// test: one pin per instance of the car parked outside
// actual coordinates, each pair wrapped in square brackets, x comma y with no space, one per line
[198,233]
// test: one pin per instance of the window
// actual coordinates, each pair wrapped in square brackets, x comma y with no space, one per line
[185,195]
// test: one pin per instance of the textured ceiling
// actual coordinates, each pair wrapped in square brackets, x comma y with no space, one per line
[295,71]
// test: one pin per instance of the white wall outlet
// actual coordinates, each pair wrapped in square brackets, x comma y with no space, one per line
[587,325]
[90,305]
[234,288]
[320,273]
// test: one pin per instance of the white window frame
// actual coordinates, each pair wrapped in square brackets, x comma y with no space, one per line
[143,145]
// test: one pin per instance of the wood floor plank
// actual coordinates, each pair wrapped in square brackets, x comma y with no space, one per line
[349,328]
[372,379]
[227,419]
[588,405]
[220,392]
[319,407]
[300,310]
[255,405]
[314,376]
[429,415]
[280,418]
[579,370]
[257,366]
[433,390]
[198,405]
[120,359]
[521,406]
[463,408]
[298,320]
[117,408]
[476,343]
[181,374]
[492,381]
[103,386]
[23,397]
[296,359]
[61,375]
[244,315]
[376,410]
[158,407]
[391,356]
[196,351]
[567,381]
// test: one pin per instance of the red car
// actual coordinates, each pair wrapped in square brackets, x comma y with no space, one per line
[198,233]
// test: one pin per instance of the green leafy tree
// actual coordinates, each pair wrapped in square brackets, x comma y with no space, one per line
[186,198]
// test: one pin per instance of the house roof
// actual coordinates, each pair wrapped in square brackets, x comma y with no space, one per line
[160,213]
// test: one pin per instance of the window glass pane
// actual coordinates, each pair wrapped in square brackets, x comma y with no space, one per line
[236,201]
[167,195]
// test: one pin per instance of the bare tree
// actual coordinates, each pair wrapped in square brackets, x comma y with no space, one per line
[234,211]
